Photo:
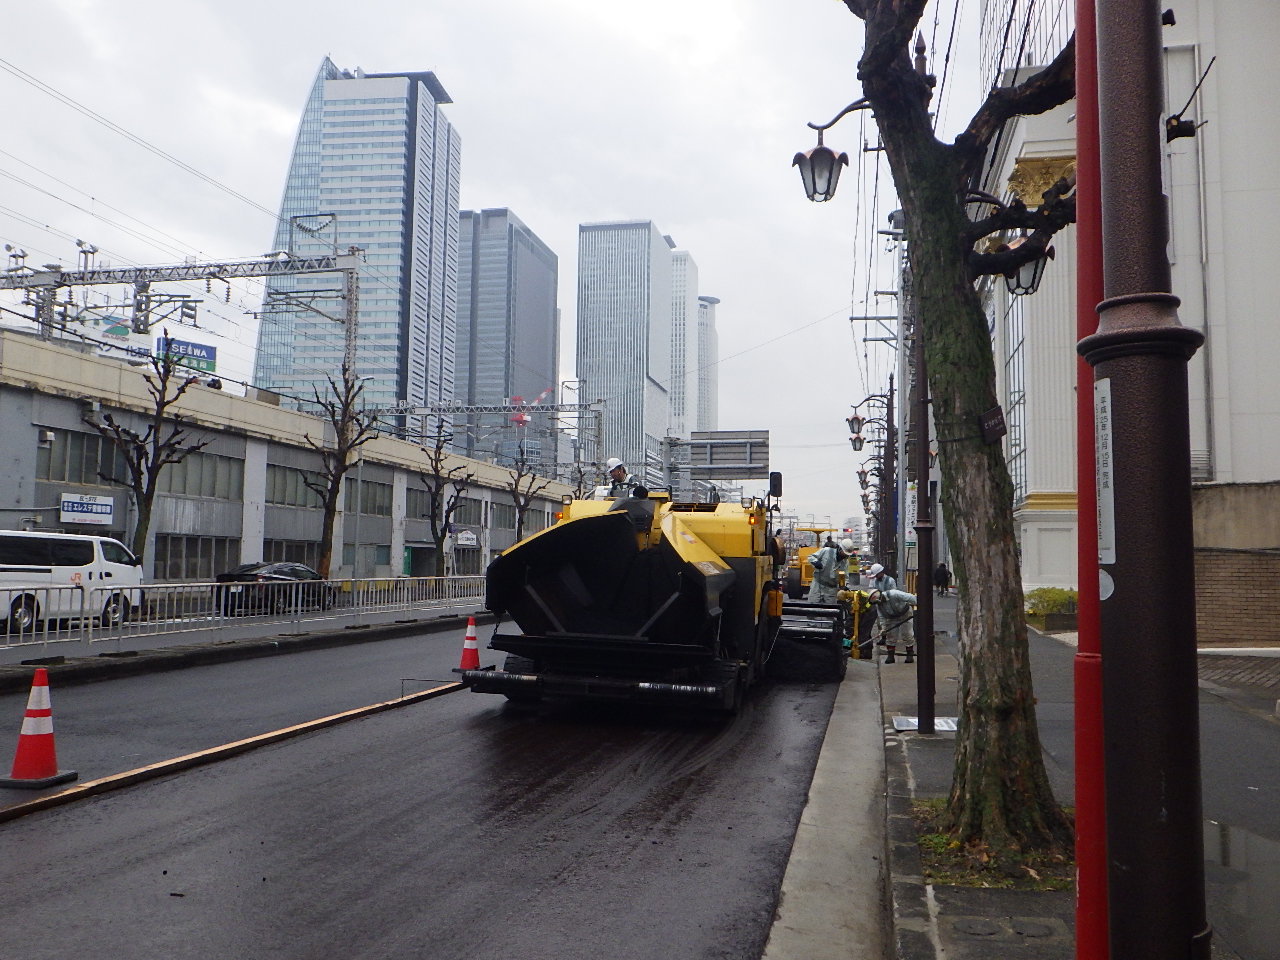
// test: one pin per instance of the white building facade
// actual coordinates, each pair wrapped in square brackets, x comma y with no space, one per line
[1223,221]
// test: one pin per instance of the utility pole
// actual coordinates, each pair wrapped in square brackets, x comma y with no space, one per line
[889,491]
[924,526]
[1145,551]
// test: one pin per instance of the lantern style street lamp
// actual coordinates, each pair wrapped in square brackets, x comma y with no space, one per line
[820,167]
[1025,279]
[820,170]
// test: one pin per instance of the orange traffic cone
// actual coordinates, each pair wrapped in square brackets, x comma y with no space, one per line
[35,764]
[470,649]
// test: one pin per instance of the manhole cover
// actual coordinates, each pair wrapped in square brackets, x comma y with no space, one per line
[977,927]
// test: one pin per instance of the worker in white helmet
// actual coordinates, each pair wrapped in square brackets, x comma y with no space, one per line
[621,482]
[829,568]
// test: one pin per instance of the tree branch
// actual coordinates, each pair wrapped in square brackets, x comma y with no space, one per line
[1051,87]
[890,27]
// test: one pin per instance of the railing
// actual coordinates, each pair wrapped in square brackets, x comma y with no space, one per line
[39,615]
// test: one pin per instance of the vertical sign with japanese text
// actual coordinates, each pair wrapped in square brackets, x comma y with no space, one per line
[1105,471]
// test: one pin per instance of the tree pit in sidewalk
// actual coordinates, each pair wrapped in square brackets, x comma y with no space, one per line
[945,861]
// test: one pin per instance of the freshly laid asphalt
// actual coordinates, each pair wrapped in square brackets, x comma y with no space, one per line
[854,888]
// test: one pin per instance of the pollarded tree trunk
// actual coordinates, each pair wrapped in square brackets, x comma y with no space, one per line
[1000,792]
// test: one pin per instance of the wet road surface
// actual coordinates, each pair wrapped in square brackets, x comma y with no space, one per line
[459,827]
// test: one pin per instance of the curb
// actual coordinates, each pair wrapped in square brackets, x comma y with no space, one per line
[16,678]
[915,928]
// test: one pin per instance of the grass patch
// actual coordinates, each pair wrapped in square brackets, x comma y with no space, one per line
[947,862]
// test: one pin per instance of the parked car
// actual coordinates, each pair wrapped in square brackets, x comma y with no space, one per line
[59,576]
[272,588]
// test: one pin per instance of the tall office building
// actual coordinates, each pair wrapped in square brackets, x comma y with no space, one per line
[708,374]
[508,336]
[684,344]
[624,336]
[375,166]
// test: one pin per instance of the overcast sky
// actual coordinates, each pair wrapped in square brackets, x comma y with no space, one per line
[685,112]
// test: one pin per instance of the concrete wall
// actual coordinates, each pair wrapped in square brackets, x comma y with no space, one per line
[1237,516]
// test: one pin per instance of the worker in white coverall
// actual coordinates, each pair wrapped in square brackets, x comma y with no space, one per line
[828,565]
[895,615]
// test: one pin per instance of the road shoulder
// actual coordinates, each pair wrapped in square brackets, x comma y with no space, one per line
[834,899]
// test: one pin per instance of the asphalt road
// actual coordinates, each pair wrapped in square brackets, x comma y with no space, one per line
[458,827]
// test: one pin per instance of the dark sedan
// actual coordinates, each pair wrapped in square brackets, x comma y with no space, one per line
[272,588]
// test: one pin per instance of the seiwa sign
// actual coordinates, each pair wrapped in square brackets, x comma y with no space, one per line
[197,356]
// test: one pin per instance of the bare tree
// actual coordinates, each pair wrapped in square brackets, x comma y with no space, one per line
[445,487]
[353,427]
[582,477]
[1000,794]
[524,486]
[144,454]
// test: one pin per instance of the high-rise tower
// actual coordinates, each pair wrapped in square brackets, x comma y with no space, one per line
[375,166]
[708,374]
[684,344]
[508,335]
[624,336]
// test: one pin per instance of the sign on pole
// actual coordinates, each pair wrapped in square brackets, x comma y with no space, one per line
[729,454]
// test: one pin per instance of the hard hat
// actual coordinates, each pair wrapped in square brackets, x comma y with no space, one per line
[875,596]
[875,571]
[847,546]
[612,463]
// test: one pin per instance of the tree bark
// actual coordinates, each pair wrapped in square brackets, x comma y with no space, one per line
[1000,792]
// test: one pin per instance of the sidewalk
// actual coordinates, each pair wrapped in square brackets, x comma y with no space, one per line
[960,923]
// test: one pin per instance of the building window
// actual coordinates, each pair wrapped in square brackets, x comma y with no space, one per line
[74,457]
[417,504]
[194,558]
[292,551]
[375,498]
[204,475]
[287,488]
[504,516]
[470,512]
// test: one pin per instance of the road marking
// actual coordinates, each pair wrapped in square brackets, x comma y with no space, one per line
[213,754]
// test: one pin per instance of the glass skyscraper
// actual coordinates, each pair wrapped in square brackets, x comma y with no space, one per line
[376,166]
[624,337]
[508,336]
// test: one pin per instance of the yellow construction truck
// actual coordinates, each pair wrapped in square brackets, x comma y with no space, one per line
[642,598]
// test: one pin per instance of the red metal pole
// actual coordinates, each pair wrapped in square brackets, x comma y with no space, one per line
[1092,940]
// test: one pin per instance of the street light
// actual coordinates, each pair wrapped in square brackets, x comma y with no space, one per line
[820,166]
[1024,279]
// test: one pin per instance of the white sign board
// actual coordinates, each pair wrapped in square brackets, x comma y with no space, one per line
[1105,453]
[80,508]
[466,538]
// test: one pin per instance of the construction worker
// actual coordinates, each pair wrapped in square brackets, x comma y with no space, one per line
[895,614]
[878,579]
[621,482]
[829,570]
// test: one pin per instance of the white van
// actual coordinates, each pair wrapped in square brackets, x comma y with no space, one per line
[54,576]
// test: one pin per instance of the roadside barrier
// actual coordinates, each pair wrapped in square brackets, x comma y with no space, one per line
[47,615]
[35,762]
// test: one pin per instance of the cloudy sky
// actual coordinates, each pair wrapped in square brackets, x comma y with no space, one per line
[685,112]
